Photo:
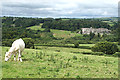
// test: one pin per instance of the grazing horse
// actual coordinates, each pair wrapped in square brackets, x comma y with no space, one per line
[17,47]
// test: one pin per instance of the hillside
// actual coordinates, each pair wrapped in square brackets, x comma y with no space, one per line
[56,33]
[49,30]
[114,19]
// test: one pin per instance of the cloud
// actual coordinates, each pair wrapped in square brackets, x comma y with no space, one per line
[60,8]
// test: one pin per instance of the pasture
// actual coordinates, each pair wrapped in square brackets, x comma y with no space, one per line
[109,23]
[56,33]
[59,62]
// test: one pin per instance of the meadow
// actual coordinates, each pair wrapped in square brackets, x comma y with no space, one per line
[56,33]
[59,62]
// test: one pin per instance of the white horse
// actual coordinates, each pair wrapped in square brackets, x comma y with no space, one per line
[17,47]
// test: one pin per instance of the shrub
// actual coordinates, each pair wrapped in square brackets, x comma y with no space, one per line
[47,30]
[105,47]
[74,58]
[29,43]
[78,77]
[117,54]
[119,43]
[76,44]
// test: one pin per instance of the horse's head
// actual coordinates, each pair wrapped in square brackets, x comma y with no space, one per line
[7,56]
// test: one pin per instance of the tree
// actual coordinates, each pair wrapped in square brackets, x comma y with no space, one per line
[81,32]
[91,35]
[76,44]
[118,32]
[47,30]
[29,43]
[99,35]
[105,47]
[104,35]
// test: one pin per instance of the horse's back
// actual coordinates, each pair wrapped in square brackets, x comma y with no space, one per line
[19,44]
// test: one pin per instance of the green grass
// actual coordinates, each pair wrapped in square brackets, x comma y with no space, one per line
[36,27]
[59,62]
[65,19]
[109,23]
[63,34]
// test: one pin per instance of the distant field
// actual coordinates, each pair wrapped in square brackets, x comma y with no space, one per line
[37,27]
[57,33]
[109,23]
[59,62]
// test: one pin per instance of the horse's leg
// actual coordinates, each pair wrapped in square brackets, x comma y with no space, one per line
[19,56]
[15,56]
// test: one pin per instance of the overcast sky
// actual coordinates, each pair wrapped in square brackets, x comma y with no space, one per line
[60,8]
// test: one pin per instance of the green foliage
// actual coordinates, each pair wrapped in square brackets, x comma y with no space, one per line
[105,47]
[29,43]
[74,24]
[91,35]
[99,35]
[21,21]
[74,57]
[78,77]
[117,54]
[104,35]
[47,30]
[118,31]
[76,44]
[8,42]
[110,38]
[118,43]
[21,30]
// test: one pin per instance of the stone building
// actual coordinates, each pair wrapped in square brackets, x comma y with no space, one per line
[94,30]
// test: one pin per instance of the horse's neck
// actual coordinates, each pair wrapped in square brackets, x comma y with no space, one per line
[11,50]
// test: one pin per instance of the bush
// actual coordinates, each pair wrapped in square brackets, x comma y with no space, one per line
[76,44]
[29,43]
[105,47]
[47,30]
[8,42]
[118,43]
[74,58]
[117,54]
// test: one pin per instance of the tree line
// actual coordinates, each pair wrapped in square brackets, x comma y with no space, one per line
[74,24]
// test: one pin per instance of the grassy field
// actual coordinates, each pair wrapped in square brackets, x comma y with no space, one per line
[37,27]
[109,23]
[59,62]
[57,33]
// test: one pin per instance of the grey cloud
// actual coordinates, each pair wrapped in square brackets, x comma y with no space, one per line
[44,9]
[23,5]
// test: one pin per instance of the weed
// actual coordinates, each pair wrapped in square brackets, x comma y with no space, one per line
[74,58]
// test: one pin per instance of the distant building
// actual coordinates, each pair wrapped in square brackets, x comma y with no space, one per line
[94,30]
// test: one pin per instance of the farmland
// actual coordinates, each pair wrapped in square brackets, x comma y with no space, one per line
[56,33]
[59,62]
